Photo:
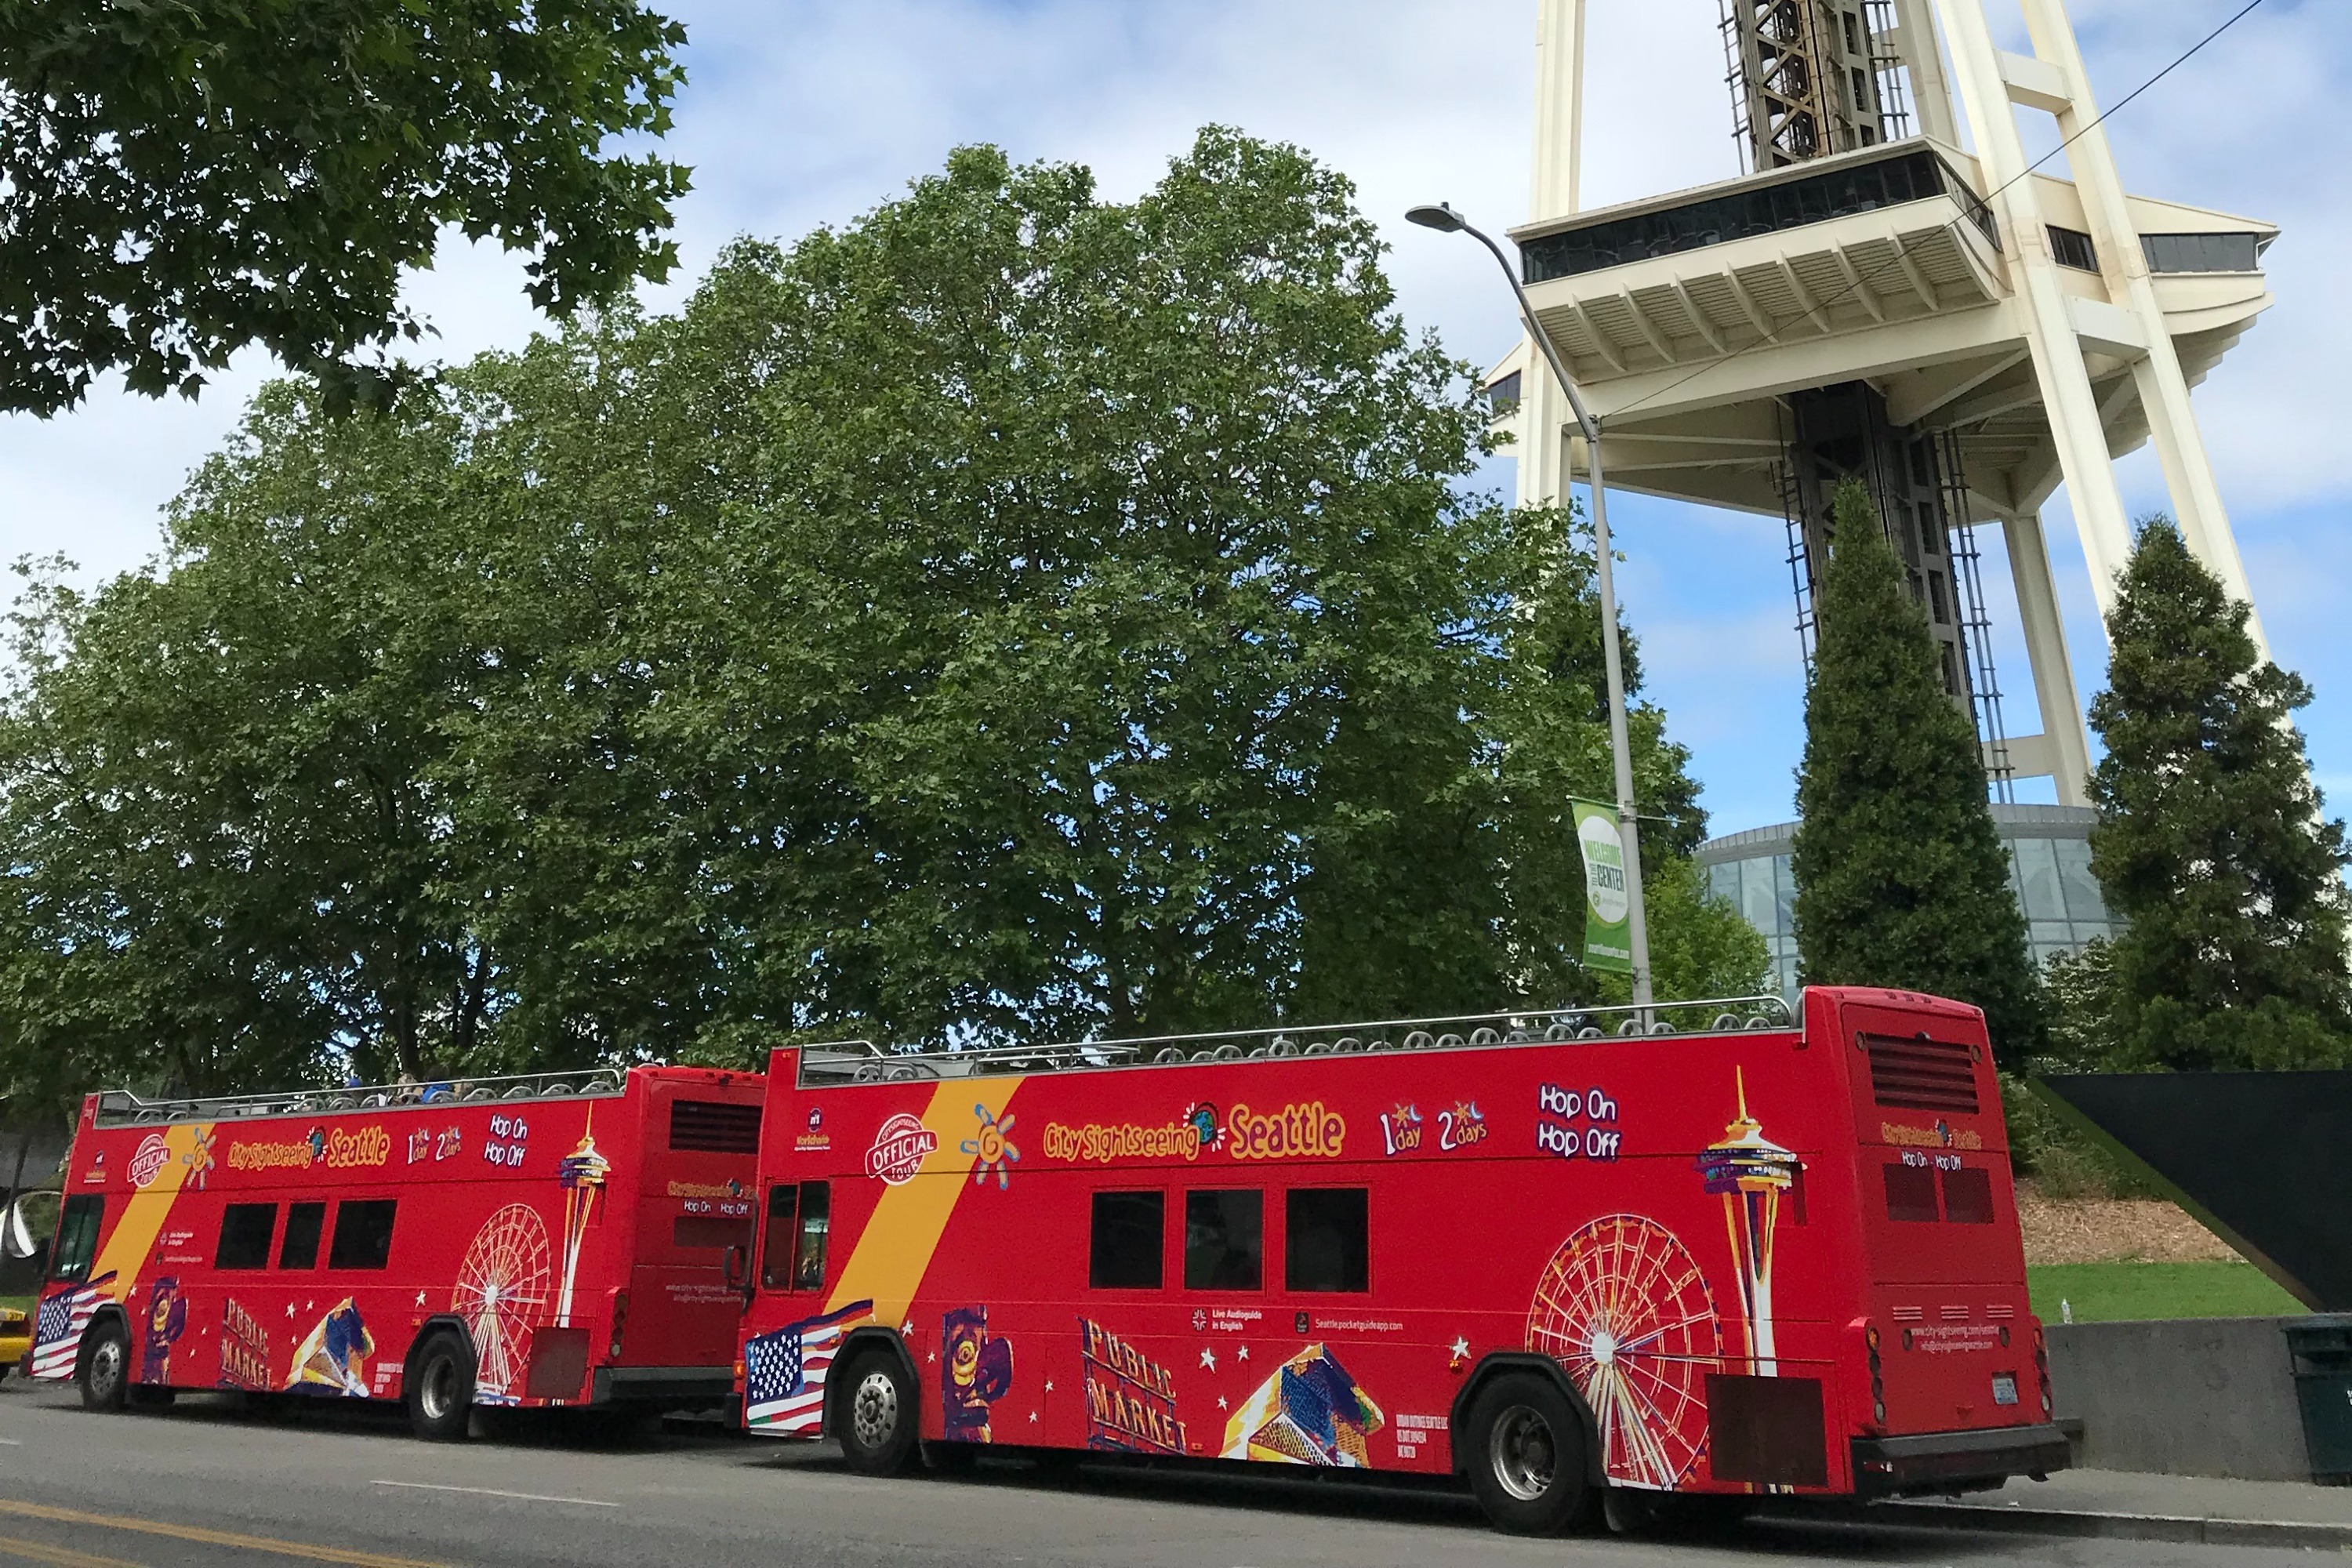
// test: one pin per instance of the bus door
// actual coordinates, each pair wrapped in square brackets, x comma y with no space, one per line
[696,1211]
[1943,1258]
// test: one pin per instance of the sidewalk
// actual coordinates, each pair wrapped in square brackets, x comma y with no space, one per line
[2130,1506]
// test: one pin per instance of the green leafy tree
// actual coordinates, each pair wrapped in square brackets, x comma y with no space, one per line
[1901,878]
[180,180]
[2210,843]
[1014,613]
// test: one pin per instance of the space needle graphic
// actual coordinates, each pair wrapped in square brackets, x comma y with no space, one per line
[583,1173]
[1751,1172]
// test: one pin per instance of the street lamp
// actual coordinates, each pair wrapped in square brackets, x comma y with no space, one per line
[1446,220]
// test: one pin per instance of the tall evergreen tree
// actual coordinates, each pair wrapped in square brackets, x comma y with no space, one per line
[1901,879]
[2210,843]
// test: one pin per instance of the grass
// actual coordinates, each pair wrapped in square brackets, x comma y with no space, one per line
[2113,1293]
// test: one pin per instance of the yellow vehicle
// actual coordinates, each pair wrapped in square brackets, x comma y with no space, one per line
[24,1228]
[15,1338]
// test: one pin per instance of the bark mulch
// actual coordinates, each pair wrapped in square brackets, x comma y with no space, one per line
[2112,1230]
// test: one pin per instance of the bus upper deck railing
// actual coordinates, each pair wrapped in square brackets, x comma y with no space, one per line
[121,1107]
[861,1061]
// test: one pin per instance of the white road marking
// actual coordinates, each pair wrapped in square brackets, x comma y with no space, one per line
[12,1442]
[489,1491]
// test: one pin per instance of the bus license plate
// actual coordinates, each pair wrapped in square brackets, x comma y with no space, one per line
[2004,1388]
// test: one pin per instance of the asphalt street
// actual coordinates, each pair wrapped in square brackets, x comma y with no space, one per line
[204,1483]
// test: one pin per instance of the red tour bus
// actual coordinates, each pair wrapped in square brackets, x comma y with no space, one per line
[559,1239]
[1745,1252]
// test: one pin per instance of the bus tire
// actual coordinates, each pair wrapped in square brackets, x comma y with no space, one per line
[877,1416]
[1526,1459]
[103,1369]
[441,1390]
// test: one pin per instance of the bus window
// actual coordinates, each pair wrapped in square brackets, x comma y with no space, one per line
[1968,1196]
[808,1262]
[1223,1241]
[1911,1194]
[77,1225]
[783,1235]
[245,1234]
[1329,1240]
[299,1248]
[1125,1249]
[710,1126]
[363,1234]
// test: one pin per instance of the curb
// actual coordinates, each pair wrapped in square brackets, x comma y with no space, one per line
[2177,1529]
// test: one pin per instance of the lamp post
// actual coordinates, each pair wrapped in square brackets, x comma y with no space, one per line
[1446,220]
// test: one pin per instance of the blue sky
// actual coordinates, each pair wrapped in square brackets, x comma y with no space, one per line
[798,114]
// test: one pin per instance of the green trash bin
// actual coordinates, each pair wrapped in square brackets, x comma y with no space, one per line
[2320,1349]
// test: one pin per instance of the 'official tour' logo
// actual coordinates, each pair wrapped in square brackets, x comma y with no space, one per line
[900,1149]
[148,1163]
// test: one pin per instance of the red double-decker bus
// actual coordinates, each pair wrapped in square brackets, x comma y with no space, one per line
[551,1240]
[1717,1250]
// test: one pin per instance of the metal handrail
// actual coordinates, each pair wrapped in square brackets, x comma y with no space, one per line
[861,1061]
[121,1107]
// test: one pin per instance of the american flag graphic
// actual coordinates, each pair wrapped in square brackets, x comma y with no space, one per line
[784,1371]
[58,1328]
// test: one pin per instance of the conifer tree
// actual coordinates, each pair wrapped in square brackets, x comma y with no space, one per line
[1901,879]
[2210,843]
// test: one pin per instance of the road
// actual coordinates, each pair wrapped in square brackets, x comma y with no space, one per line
[204,1484]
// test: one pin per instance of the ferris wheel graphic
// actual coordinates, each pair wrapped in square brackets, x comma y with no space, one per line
[501,1285]
[1623,1308]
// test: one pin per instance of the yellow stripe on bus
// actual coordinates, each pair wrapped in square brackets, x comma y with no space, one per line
[895,1249]
[126,1250]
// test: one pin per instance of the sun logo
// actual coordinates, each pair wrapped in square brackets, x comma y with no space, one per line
[992,1149]
[199,1160]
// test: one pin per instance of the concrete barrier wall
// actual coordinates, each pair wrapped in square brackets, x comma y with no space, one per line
[2212,1396]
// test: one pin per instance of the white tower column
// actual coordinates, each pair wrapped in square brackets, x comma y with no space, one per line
[2075,426]
[2062,732]
[1559,107]
[1543,417]
[1931,95]
[2163,389]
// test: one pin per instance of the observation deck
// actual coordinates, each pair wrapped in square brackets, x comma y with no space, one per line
[1686,317]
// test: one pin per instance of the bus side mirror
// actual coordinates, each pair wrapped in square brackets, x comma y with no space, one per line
[31,1220]
[736,1266]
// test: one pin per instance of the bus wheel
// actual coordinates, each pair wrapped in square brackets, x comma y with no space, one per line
[441,1390]
[1527,1462]
[877,1416]
[105,1371]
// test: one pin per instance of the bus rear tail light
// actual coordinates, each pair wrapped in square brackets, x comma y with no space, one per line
[620,1319]
[1877,1376]
[2042,1368]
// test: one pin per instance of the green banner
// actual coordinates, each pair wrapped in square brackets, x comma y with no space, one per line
[1608,933]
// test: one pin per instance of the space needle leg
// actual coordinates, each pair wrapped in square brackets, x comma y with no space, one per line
[1543,416]
[2163,388]
[2072,408]
[2045,650]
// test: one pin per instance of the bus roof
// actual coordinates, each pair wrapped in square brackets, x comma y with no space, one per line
[861,1061]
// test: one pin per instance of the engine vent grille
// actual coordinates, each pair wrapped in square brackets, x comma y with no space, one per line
[1923,1075]
[714,1127]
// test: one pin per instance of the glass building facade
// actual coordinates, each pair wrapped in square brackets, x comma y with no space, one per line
[2048,869]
